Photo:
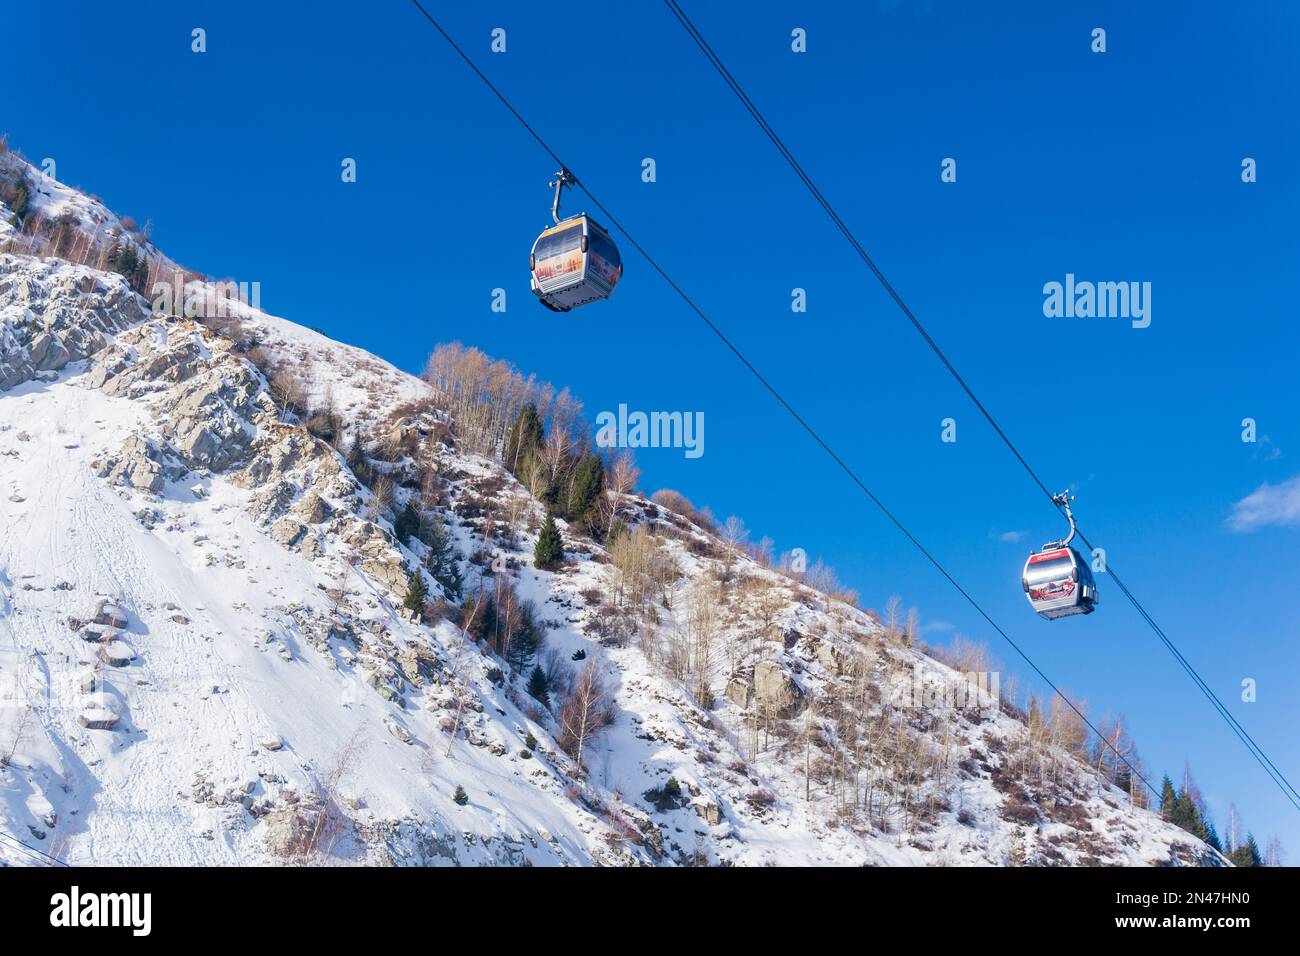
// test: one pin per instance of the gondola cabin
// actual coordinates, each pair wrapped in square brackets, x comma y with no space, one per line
[1059,583]
[573,263]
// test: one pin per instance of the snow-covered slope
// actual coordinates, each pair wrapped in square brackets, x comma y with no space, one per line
[203,658]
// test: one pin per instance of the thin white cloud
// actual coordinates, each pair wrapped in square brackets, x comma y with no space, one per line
[1268,506]
[1267,449]
[1011,537]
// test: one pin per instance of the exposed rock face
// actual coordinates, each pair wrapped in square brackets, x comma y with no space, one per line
[313,509]
[218,415]
[708,811]
[140,464]
[212,413]
[830,658]
[738,692]
[209,418]
[288,832]
[775,690]
[52,314]
[387,684]
[288,532]
[417,664]
[379,557]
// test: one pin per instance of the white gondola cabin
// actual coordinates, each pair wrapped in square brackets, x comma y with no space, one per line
[1059,583]
[1057,580]
[575,261]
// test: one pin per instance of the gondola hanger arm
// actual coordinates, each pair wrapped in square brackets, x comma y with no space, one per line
[1062,501]
[562,178]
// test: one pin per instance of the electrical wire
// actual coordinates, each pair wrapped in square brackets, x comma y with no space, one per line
[29,851]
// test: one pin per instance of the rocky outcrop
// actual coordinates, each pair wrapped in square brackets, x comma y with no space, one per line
[218,416]
[739,691]
[830,658]
[417,664]
[378,554]
[53,313]
[139,463]
[775,690]
[211,414]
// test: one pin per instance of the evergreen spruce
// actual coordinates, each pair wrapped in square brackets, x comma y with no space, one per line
[21,201]
[357,461]
[461,797]
[407,525]
[524,438]
[1247,854]
[549,552]
[1168,800]
[416,592]
[1212,837]
[127,259]
[525,641]
[442,561]
[539,687]
[471,616]
[587,484]
[484,627]
[1188,816]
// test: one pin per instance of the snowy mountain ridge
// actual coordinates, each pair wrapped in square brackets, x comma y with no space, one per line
[204,658]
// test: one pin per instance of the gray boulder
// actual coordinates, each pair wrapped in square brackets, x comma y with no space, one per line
[775,691]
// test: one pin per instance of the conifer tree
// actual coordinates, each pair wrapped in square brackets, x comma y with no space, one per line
[20,201]
[127,260]
[587,483]
[1213,837]
[524,640]
[407,525]
[1188,815]
[1247,854]
[539,687]
[442,561]
[1168,800]
[524,438]
[549,552]
[417,592]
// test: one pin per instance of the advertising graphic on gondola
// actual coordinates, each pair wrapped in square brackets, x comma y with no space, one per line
[602,260]
[559,253]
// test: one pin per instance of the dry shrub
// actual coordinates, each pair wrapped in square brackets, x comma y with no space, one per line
[613,626]
[677,502]
[622,830]
[1018,808]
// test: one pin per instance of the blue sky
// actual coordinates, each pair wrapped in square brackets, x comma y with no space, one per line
[1123,166]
